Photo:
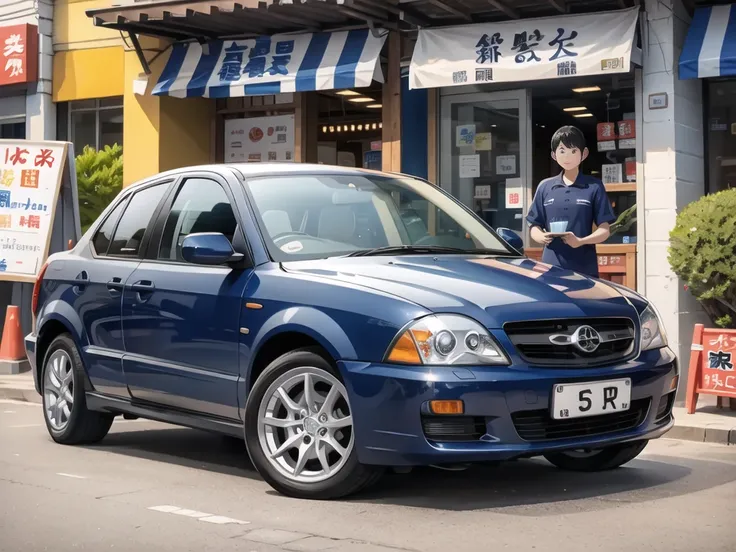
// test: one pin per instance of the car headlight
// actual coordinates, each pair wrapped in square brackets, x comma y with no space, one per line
[445,339]
[653,335]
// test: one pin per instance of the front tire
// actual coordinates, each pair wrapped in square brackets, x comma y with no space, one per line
[67,417]
[299,430]
[607,458]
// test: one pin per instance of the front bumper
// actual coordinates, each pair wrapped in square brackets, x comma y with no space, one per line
[388,403]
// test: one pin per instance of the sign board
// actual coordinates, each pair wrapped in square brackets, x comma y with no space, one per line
[712,365]
[524,49]
[658,100]
[259,139]
[18,54]
[31,177]
[514,193]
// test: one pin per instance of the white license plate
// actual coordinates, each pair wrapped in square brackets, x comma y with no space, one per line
[579,400]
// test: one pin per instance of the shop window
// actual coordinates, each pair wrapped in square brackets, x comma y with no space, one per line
[94,123]
[13,130]
[721,135]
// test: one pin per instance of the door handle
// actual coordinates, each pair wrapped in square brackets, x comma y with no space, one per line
[80,282]
[144,286]
[115,286]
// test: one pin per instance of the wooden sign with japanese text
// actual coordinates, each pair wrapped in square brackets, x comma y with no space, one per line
[712,360]
[30,181]
[18,54]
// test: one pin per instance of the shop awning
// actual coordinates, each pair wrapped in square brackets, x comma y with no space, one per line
[710,45]
[525,49]
[272,65]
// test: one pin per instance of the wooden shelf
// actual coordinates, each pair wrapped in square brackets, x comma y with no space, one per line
[621,187]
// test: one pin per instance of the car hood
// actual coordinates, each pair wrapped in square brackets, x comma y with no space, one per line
[504,288]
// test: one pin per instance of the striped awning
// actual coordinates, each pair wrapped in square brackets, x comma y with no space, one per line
[710,45]
[273,65]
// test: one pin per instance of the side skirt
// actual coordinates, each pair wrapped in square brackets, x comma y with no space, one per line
[101,403]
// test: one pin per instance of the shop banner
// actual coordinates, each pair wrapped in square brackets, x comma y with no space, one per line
[18,54]
[30,182]
[259,139]
[272,65]
[524,50]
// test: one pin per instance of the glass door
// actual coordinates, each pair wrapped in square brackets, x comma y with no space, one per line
[485,155]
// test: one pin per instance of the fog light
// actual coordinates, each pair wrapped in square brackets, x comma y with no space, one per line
[674,382]
[446,407]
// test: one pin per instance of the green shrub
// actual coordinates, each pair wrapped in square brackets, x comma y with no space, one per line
[99,180]
[703,254]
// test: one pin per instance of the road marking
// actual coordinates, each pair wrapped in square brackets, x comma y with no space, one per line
[8,411]
[25,425]
[71,475]
[19,403]
[201,516]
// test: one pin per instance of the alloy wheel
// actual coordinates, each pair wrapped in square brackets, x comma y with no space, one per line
[58,396]
[305,427]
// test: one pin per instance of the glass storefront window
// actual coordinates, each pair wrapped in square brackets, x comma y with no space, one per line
[721,135]
[95,123]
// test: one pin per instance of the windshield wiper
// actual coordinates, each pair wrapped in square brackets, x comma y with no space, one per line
[411,250]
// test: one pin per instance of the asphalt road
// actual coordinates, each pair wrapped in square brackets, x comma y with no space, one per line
[150,486]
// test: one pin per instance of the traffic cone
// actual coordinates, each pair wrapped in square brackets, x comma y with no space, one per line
[12,353]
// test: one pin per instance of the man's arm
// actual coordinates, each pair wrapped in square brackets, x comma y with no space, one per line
[600,235]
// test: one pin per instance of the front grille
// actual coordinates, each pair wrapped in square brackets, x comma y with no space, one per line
[453,428]
[532,341]
[538,425]
[665,406]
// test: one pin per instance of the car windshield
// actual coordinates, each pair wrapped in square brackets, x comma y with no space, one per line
[313,216]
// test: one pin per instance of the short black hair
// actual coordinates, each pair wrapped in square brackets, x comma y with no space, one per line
[570,137]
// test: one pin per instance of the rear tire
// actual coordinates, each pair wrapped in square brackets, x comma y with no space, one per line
[308,434]
[67,417]
[603,459]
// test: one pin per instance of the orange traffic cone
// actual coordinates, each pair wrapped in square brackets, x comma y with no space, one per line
[12,353]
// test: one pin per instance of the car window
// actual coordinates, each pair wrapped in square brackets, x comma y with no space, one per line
[103,237]
[136,218]
[201,205]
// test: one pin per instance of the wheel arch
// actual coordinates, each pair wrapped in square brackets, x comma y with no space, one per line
[50,327]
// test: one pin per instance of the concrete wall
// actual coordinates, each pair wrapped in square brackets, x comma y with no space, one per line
[674,170]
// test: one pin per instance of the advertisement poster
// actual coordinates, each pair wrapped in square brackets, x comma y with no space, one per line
[483,141]
[514,193]
[465,136]
[259,139]
[30,181]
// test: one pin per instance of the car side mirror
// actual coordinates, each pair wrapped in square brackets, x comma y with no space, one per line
[208,248]
[512,238]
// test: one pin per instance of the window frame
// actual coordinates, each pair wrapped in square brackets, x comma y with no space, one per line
[168,181]
[96,110]
[240,240]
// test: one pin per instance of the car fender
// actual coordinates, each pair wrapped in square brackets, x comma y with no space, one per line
[61,311]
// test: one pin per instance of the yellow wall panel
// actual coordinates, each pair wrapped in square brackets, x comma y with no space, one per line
[74,30]
[85,74]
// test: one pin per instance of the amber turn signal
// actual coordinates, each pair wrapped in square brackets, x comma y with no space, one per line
[446,407]
[673,383]
[405,351]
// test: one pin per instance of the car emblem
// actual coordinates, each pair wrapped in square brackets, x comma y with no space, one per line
[584,338]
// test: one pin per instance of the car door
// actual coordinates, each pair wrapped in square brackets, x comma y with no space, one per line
[181,321]
[115,249]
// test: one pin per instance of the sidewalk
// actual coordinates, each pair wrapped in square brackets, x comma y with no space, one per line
[709,424]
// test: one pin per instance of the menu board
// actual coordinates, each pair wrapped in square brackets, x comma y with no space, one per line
[259,139]
[30,181]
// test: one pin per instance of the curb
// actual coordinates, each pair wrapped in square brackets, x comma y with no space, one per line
[718,435]
[20,394]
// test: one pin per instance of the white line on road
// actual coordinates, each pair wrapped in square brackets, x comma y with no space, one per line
[201,516]
[71,475]
[24,426]
[8,411]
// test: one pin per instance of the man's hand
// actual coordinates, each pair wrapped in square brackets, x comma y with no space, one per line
[572,240]
[540,236]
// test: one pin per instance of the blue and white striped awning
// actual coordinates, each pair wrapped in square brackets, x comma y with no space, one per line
[272,65]
[710,46]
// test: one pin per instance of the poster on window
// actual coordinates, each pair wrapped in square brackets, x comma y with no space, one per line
[259,139]
[30,181]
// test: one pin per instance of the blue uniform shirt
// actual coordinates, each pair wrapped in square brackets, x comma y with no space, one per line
[583,203]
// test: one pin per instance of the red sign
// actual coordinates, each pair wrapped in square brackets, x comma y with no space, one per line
[626,130]
[606,131]
[18,54]
[712,365]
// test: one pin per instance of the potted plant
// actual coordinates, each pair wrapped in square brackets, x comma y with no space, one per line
[703,255]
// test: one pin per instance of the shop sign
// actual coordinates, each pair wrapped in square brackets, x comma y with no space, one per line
[18,54]
[524,50]
[259,139]
[712,369]
[30,180]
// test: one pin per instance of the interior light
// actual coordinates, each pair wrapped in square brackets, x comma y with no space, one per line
[352,127]
[360,127]
[583,115]
[494,126]
[347,93]
[339,128]
[577,108]
[324,129]
[375,106]
[362,100]
[375,126]
[332,129]
[380,125]
[586,89]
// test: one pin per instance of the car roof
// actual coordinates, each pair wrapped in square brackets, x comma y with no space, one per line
[251,170]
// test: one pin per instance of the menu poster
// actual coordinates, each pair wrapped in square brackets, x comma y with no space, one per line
[30,182]
[259,139]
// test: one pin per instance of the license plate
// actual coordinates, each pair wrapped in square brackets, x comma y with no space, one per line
[579,400]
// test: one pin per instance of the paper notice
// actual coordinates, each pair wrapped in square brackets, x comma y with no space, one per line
[514,193]
[465,136]
[506,164]
[469,166]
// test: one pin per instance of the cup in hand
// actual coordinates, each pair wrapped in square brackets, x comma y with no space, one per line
[558,226]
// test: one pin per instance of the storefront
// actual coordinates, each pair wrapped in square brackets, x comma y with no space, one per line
[709,53]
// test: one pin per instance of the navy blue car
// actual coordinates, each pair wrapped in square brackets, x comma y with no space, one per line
[342,322]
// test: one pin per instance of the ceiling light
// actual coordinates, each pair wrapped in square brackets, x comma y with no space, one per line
[380,125]
[332,129]
[583,115]
[587,89]
[360,127]
[324,129]
[578,108]
[494,126]
[352,127]
[375,106]
[375,126]
[347,93]
[362,100]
